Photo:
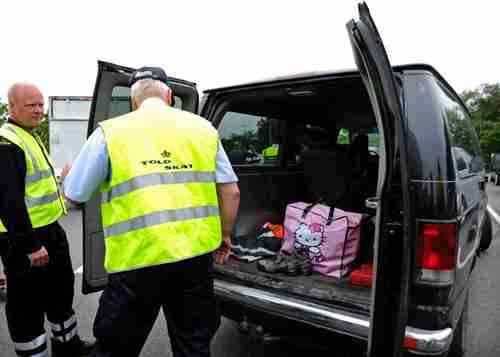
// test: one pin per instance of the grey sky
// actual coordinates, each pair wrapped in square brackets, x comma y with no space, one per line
[56,44]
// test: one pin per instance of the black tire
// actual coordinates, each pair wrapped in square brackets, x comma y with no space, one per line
[486,233]
[461,335]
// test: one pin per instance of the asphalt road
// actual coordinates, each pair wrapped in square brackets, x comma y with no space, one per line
[484,317]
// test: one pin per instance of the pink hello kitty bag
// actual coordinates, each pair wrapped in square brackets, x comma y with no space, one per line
[329,236]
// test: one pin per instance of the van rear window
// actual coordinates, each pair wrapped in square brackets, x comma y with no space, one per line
[251,139]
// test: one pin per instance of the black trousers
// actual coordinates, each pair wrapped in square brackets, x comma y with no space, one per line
[131,302]
[36,292]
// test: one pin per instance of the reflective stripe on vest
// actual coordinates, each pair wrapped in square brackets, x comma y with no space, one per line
[166,216]
[160,204]
[153,179]
[42,198]
[39,175]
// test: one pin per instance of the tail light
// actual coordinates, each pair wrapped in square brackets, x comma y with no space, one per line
[410,343]
[436,253]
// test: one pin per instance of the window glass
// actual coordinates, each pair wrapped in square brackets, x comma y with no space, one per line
[120,102]
[346,136]
[373,141]
[343,137]
[71,108]
[465,144]
[251,139]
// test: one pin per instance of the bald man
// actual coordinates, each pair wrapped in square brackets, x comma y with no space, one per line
[34,247]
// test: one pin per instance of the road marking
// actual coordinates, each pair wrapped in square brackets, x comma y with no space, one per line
[79,270]
[493,214]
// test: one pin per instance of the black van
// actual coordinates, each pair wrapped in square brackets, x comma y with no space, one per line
[419,175]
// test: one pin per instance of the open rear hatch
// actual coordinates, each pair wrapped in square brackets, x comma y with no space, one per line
[317,298]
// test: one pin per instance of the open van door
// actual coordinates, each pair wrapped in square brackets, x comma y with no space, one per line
[391,257]
[112,98]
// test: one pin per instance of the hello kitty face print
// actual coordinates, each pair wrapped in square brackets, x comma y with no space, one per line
[308,239]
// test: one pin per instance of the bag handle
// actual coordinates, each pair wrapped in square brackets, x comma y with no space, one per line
[308,209]
[330,216]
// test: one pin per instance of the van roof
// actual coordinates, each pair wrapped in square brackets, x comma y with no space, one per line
[319,74]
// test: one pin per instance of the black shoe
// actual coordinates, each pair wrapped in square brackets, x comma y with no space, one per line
[75,347]
[303,263]
[283,263]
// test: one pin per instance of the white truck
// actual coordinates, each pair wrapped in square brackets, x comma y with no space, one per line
[68,118]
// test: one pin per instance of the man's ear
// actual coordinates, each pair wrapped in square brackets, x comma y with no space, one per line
[11,108]
[168,97]
[134,104]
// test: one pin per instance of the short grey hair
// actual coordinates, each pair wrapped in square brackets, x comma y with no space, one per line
[147,88]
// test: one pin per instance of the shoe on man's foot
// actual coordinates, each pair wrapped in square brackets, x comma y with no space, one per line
[76,347]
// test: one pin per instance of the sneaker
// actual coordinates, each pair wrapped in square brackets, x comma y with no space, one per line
[281,264]
[302,262]
[76,347]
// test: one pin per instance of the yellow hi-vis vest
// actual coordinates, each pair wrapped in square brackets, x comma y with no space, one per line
[270,153]
[160,204]
[43,200]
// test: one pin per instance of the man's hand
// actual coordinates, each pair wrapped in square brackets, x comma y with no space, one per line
[222,254]
[39,258]
[229,200]
[65,171]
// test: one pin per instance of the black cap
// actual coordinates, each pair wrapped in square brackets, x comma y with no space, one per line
[148,72]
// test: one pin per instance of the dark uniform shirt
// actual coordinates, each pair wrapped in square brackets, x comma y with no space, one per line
[13,211]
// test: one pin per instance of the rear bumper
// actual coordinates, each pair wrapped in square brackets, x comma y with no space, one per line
[425,342]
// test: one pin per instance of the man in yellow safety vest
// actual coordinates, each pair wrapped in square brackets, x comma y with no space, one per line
[33,246]
[169,197]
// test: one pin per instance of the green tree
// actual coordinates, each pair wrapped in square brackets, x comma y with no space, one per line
[484,106]
[43,132]
[3,112]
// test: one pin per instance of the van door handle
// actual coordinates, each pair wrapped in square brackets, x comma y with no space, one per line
[372,202]
[472,233]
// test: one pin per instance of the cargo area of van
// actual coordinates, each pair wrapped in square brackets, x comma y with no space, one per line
[316,143]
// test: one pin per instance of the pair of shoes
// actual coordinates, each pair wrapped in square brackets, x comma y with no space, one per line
[292,264]
[76,347]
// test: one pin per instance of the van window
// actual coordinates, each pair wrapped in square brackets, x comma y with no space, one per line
[374,141]
[251,139]
[343,137]
[120,102]
[465,145]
